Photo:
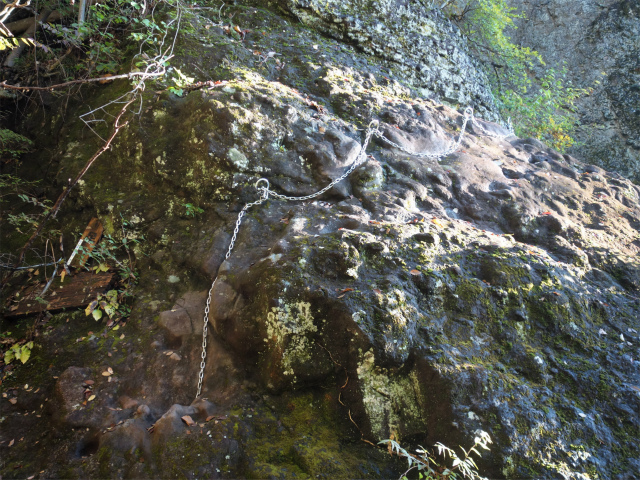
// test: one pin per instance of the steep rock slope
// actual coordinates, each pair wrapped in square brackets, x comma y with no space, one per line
[598,41]
[495,289]
[426,51]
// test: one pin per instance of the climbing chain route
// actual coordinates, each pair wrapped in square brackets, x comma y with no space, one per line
[265,191]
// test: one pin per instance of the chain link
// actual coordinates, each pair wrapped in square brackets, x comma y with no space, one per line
[360,159]
[509,128]
[205,327]
[262,185]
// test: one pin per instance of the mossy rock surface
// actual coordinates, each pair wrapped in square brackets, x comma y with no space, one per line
[495,289]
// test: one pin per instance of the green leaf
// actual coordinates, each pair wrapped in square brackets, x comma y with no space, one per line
[91,307]
[97,314]
[25,353]
[9,356]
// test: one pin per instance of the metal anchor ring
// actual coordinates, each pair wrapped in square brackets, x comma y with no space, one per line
[258,187]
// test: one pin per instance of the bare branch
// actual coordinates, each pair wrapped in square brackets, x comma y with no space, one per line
[85,80]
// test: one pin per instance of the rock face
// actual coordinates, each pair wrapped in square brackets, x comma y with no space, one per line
[496,289]
[426,51]
[598,41]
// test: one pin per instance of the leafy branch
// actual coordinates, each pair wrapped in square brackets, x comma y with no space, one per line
[543,106]
[429,469]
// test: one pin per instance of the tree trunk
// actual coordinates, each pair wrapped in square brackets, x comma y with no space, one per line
[20,26]
[29,33]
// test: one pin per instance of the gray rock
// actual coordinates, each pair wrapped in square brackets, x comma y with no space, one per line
[184,319]
[604,37]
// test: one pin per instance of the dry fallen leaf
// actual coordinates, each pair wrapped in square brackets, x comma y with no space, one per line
[13,401]
[188,420]
[12,442]
[92,397]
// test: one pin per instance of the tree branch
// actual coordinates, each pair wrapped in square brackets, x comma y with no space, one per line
[29,33]
[85,80]
[20,26]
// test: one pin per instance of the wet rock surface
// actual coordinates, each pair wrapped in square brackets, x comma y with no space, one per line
[495,289]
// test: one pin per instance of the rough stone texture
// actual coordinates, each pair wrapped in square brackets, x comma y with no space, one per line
[496,289]
[184,319]
[70,391]
[592,38]
[426,51]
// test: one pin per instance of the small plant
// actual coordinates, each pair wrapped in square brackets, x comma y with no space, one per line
[107,303]
[18,352]
[192,210]
[428,468]
[180,81]
[106,255]
[13,145]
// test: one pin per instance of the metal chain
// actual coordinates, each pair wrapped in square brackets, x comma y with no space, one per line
[262,185]
[205,327]
[509,128]
[453,146]
[360,159]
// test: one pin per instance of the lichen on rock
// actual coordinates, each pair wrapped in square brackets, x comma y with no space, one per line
[288,327]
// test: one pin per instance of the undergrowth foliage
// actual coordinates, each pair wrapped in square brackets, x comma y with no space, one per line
[541,105]
[107,39]
[428,468]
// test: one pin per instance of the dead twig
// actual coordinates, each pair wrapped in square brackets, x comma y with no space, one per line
[340,394]
[85,80]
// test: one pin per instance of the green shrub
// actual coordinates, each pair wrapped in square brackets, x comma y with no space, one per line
[12,145]
[541,106]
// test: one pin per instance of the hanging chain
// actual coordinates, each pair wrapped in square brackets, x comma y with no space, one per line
[508,128]
[453,146]
[205,327]
[262,185]
[360,159]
